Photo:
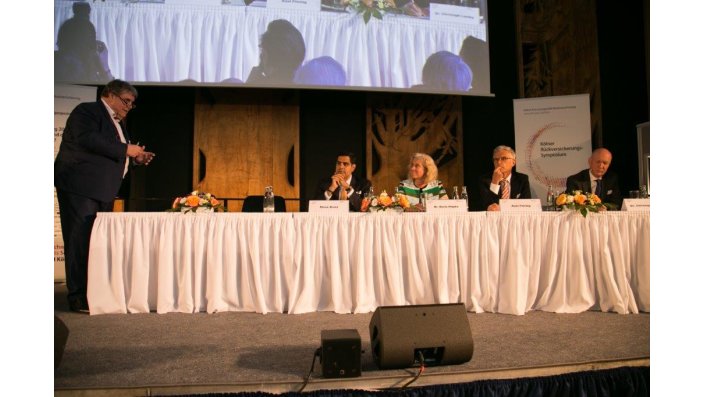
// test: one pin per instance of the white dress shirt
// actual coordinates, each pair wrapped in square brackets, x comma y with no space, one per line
[113,116]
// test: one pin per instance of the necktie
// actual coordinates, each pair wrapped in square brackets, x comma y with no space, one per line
[343,194]
[117,133]
[598,188]
[504,186]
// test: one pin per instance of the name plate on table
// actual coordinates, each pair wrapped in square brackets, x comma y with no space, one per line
[308,5]
[636,205]
[520,205]
[329,206]
[446,206]
[456,14]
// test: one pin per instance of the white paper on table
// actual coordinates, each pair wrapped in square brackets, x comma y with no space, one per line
[520,205]
[329,206]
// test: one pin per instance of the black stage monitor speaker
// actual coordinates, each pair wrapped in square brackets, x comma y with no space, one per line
[61,335]
[340,353]
[400,334]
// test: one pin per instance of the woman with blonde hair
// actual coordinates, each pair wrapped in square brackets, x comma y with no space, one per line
[422,179]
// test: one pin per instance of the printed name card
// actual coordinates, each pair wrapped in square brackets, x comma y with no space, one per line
[446,206]
[329,206]
[456,14]
[636,205]
[520,205]
[308,5]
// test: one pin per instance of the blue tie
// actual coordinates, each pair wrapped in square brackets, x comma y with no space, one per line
[598,188]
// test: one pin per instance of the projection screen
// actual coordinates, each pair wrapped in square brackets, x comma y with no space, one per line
[375,45]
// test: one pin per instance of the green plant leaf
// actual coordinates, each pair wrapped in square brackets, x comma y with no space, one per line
[366,16]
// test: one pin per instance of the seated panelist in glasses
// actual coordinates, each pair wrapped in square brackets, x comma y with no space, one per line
[95,155]
[503,182]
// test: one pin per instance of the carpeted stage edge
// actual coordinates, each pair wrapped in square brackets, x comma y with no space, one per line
[622,382]
[250,354]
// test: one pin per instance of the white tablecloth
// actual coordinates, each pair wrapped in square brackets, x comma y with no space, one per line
[172,42]
[352,263]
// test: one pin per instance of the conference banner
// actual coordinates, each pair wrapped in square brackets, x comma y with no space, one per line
[553,140]
[66,97]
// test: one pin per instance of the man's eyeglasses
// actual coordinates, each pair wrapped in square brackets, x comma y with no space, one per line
[502,158]
[127,102]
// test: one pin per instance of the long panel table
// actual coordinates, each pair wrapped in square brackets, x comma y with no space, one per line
[353,263]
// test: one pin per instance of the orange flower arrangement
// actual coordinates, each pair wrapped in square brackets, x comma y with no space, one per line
[197,202]
[193,201]
[397,202]
[582,202]
[384,200]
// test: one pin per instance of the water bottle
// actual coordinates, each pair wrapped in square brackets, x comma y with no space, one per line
[464,196]
[268,199]
[550,198]
[456,196]
[643,192]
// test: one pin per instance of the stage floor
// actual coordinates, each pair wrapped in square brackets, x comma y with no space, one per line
[148,354]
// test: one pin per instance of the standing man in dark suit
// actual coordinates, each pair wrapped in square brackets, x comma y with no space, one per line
[343,185]
[502,182]
[596,179]
[88,171]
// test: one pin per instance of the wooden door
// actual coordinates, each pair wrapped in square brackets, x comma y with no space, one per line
[245,140]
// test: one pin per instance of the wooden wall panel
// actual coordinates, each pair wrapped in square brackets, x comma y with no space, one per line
[398,126]
[246,140]
[558,52]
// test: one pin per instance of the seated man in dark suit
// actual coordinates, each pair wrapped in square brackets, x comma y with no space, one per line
[502,182]
[596,179]
[343,185]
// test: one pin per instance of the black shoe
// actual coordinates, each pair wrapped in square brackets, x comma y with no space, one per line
[79,305]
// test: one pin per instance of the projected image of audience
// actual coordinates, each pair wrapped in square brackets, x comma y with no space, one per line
[474,52]
[445,71]
[79,56]
[324,71]
[282,49]
[278,44]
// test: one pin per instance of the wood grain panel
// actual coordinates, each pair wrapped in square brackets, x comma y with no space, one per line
[243,141]
[398,126]
[558,52]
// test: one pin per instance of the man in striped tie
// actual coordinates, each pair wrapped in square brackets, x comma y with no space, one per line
[502,183]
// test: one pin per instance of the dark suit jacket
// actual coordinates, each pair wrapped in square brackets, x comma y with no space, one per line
[519,188]
[360,187]
[610,186]
[91,158]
